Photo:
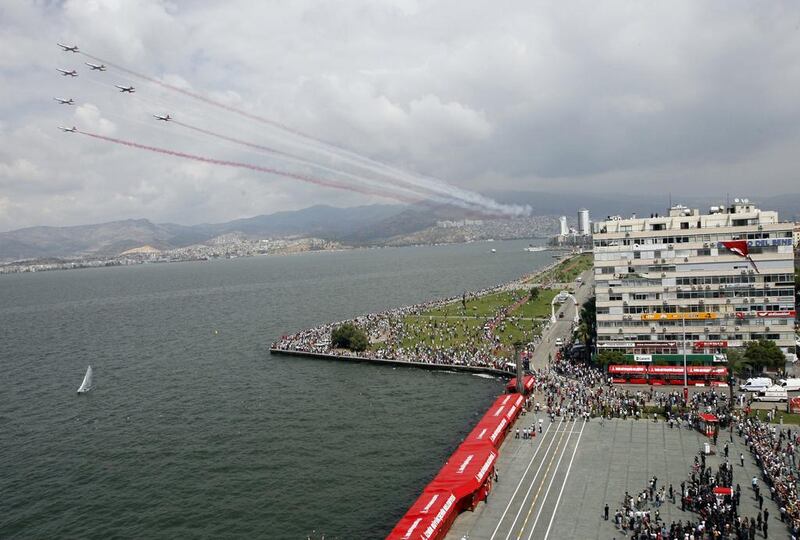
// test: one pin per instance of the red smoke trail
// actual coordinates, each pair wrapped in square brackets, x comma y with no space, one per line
[284,127]
[257,168]
[406,185]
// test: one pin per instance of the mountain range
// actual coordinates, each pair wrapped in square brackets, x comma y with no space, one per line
[362,225]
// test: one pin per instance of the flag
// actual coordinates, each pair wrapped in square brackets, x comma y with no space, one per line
[740,248]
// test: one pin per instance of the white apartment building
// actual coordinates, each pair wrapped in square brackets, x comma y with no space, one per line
[732,270]
[563,229]
[583,222]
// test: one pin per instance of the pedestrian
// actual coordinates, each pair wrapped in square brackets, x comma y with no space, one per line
[517,435]
[605,512]
[741,459]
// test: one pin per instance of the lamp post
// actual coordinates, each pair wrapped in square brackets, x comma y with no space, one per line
[685,369]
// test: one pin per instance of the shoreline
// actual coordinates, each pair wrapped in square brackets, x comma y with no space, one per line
[317,338]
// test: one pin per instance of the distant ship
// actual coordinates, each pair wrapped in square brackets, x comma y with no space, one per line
[534,249]
[86,385]
[493,251]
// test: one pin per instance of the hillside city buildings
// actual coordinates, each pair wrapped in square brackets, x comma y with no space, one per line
[694,283]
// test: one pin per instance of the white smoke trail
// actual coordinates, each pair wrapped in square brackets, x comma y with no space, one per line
[456,196]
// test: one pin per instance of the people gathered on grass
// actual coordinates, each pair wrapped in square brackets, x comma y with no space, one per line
[409,334]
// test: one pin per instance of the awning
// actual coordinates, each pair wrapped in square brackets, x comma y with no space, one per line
[466,470]
[429,518]
[528,382]
[489,429]
[708,418]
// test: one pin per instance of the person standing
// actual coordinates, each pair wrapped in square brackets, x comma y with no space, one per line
[741,459]
[605,512]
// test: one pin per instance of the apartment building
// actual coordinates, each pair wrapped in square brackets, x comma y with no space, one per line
[694,283]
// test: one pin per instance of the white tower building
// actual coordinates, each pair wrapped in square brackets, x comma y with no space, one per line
[563,230]
[583,222]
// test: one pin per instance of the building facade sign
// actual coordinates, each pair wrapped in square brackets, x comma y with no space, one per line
[642,357]
[720,344]
[700,315]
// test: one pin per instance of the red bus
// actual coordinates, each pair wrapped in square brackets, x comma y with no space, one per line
[672,375]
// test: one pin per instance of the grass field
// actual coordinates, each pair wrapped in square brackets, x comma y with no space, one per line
[454,326]
[568,270]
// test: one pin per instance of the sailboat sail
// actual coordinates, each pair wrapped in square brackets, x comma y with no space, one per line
[86,385]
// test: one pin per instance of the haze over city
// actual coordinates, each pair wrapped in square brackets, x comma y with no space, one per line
[688,97]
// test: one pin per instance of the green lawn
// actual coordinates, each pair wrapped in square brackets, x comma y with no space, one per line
[788,418]
[540,308]
[455,332]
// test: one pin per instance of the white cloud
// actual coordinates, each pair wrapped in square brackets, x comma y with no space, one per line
[577,96]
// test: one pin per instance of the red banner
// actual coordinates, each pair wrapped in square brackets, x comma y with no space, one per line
[710,344]
[714,371]
[776,314]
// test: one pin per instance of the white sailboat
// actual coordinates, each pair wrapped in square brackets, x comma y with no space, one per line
[86,385]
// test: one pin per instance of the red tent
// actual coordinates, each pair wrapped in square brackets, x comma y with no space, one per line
[467,473]
[492,427]
[527,384]
[429,518]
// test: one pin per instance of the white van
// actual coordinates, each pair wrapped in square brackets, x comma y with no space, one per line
[755,384]
[790,385]
[773,393]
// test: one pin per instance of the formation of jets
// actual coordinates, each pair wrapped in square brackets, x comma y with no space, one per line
[93,67]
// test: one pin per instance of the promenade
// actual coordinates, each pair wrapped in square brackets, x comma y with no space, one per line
[555,485]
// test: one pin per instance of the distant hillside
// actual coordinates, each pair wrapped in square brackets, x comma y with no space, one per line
[362,225]
[113,238]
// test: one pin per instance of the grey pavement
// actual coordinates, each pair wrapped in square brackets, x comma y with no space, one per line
[555,486]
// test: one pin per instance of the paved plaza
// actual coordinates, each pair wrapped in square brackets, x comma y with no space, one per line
[555,485]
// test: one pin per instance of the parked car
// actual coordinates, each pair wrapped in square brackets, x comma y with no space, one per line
[773,393]
[755,384]
[790,385]
[559,342]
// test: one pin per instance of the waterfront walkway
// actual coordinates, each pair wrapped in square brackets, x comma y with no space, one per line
[555,485]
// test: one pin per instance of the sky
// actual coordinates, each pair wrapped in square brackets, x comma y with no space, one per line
[560,97]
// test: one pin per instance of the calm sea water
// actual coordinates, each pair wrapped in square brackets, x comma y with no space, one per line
[194,429]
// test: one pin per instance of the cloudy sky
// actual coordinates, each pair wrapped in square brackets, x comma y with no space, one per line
[635,97]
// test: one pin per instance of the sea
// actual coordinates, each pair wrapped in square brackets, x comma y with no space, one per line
[193,429]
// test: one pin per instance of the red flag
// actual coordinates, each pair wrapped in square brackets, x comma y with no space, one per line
[740,248]
[737,246]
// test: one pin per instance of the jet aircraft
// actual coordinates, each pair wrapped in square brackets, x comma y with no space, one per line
[71,72]
[73,129]
[165,118]
[65,101]
[96,67]
[128,89]
[68,48]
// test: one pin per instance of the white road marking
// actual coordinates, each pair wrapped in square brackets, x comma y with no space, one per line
[564,483]
[527,493]
[549,486]
[541,442]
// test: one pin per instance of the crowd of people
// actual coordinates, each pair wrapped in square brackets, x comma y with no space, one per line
[443,339]
[774,451]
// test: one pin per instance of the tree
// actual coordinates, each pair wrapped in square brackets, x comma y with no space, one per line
[764,354]
[610,357]
[738,364]
[534,294]
[349,336]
